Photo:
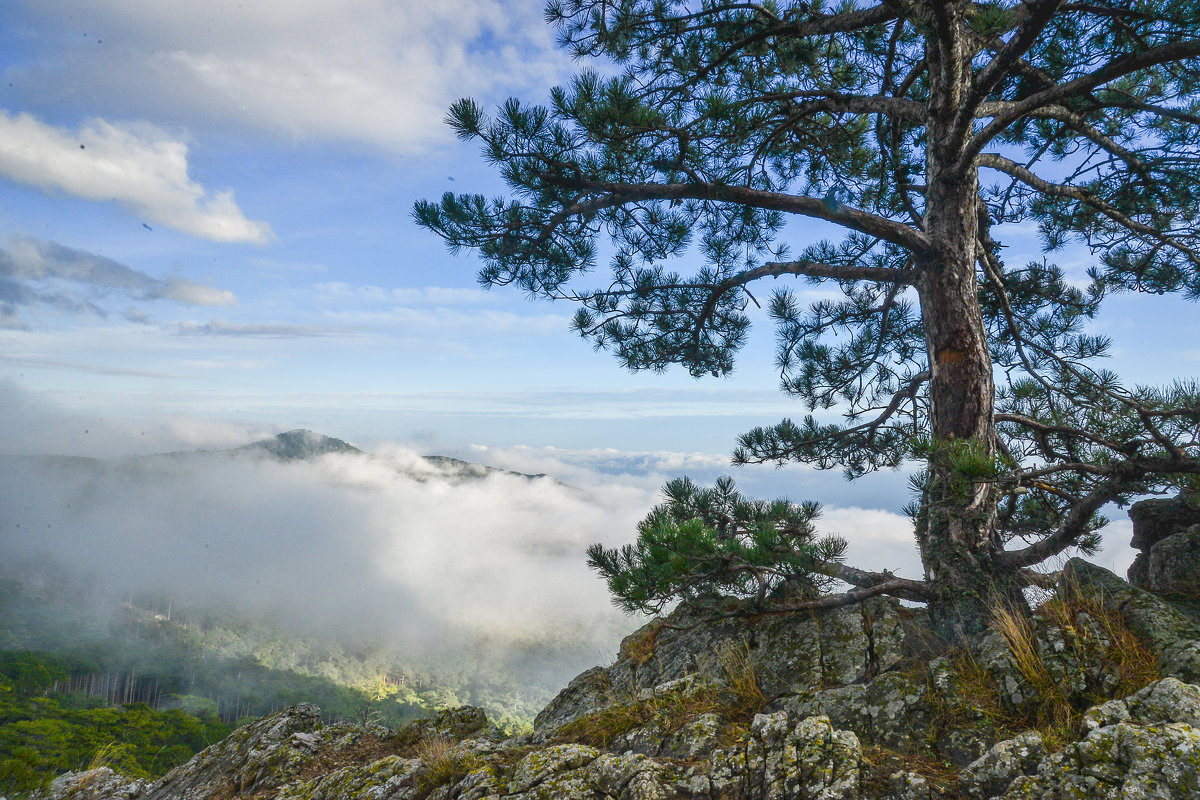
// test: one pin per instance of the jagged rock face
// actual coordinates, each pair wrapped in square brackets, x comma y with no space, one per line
[1173,565]
[259,756]
[1155,520]
[1167,534]
[1119,762]
[1004,762]
[96,784]
[788,653]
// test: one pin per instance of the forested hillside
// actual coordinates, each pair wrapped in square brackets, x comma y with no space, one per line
[141,683]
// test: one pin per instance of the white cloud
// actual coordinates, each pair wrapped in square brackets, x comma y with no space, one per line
[385,546]
[137,165]
[875,539]
[273,330]
[35,272]
[371,71]
[453,323]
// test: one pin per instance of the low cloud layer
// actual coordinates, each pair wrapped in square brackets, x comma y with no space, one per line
[138,166]
[268,330]
[35,272]
[385,547]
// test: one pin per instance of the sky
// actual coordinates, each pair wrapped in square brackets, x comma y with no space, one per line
[206,238]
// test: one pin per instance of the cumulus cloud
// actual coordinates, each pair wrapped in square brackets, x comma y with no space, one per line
[369,71]
[36,272]
[139,166]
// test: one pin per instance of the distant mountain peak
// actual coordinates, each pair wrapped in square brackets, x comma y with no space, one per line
[469,469]
[299,444]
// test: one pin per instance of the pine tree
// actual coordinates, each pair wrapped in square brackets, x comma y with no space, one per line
[920,128]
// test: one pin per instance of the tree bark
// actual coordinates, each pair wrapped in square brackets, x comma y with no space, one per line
[956,530]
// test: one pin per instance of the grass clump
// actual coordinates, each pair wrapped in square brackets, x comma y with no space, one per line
[443,763]
[1093,657]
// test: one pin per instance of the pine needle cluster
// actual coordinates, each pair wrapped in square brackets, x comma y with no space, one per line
[706,543]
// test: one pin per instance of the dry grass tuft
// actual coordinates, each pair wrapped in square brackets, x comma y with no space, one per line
[880,763]
[1094,638]
[443,763]
[740,677]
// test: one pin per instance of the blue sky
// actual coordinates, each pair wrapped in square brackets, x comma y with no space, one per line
[205,235]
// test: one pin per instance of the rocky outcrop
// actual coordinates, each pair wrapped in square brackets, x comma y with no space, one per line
[96,784]
[1147,746]
[837,705]
[1166,532]
[778,757]
[787,654]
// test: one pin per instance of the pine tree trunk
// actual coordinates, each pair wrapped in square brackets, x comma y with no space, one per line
[956,531]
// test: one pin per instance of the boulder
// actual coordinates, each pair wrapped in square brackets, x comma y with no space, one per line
[256,757]
[995,770]
[1173,566]
[1119,762]
[1156,519]
[784,759]
[93,784]
[893,711]
[1176,568]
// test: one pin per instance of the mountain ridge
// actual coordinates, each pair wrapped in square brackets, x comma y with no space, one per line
[298,444]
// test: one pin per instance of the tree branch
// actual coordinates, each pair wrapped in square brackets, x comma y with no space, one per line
[1009,167]
[917,591]
[616,194]
[1176,51]
[1038,14]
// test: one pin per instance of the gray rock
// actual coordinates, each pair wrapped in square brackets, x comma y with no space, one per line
[1165,701]
[454,724]
[1174,564]
[1167,631]
[810,759]
[256,757]
[1121,761]
[587,693]
[93,784]
[786,652]
[783,759]
[908,786]
[995,770]
[537,767]
[385,779]
[892,711]
[1156,519]
[696,739]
